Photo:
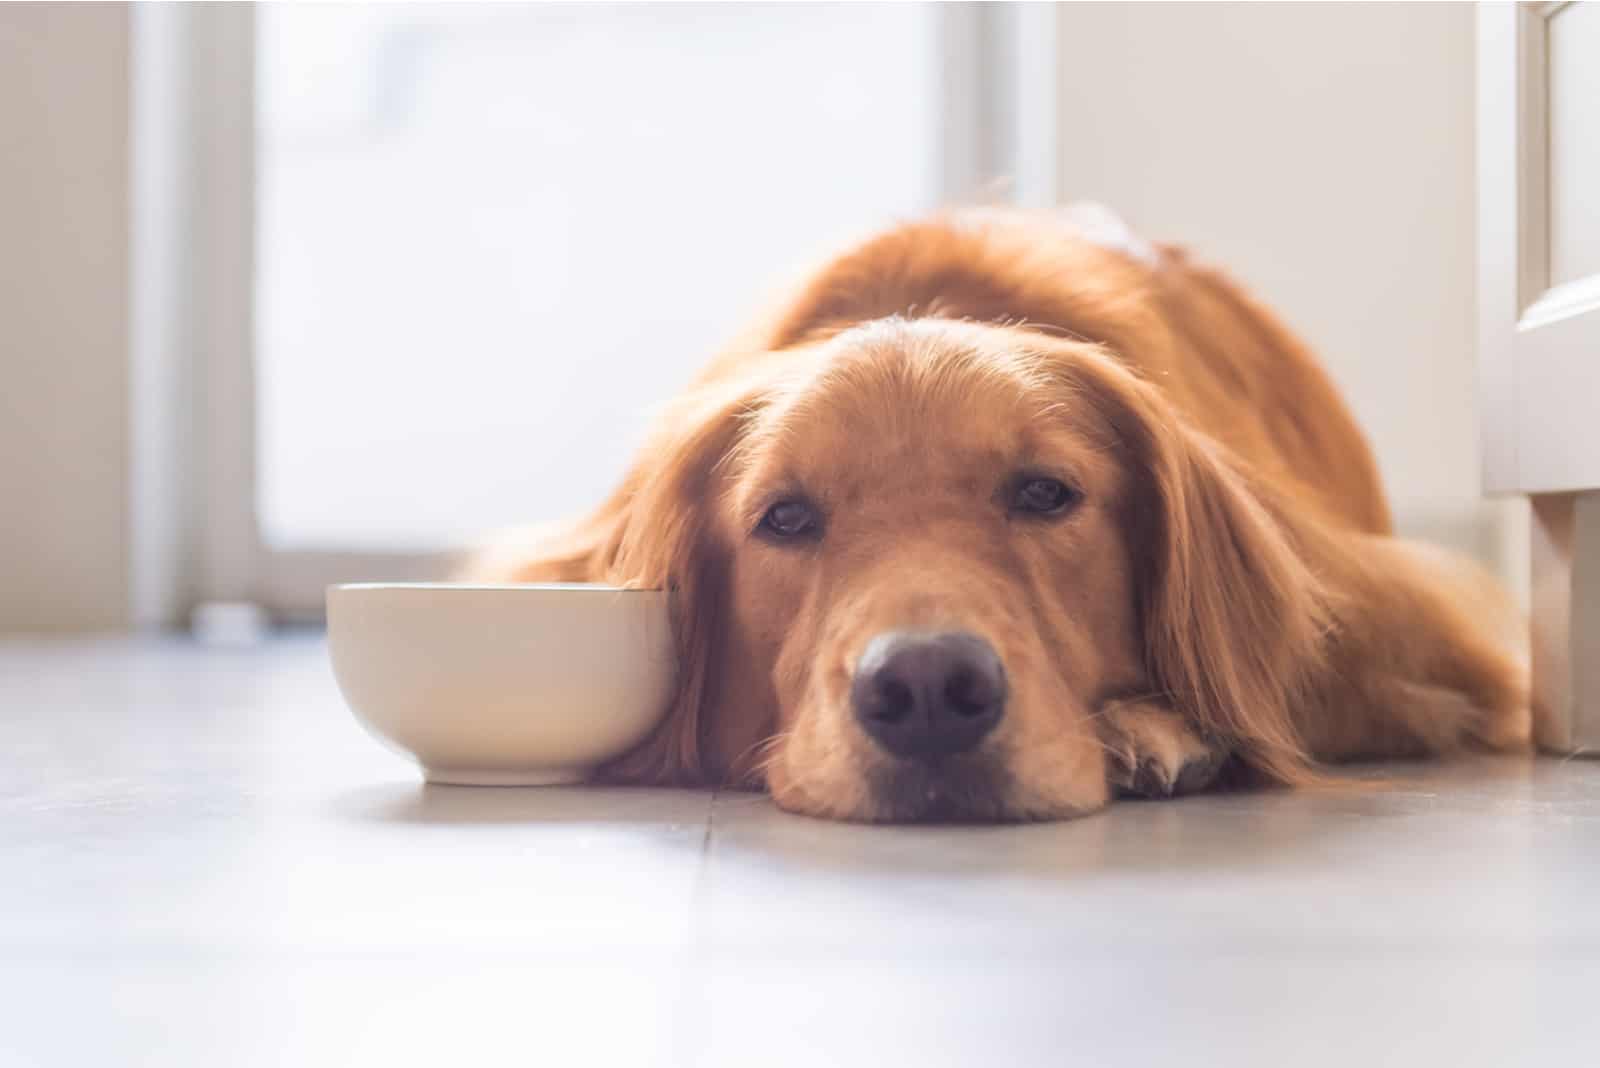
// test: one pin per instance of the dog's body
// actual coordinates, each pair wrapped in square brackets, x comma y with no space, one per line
[999,513]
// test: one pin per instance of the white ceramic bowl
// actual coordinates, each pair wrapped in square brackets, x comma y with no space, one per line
[503,685]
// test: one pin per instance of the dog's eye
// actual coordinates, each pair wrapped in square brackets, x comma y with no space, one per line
[1043,496]
[791,519]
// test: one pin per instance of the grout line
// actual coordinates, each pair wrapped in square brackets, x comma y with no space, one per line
[705,841]
[702,871]
[693,1015]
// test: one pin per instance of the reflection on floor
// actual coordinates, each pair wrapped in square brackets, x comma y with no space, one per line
[205,862]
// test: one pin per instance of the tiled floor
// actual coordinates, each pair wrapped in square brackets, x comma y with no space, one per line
[203,861]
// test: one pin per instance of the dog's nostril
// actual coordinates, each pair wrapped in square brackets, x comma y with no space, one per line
[928,695]
[894,703]
[965,694]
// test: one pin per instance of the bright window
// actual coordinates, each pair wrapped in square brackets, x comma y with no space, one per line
[491,238]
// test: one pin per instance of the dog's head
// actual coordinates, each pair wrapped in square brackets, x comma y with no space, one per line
[913,564]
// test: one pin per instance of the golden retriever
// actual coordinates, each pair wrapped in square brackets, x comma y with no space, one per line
[999,515]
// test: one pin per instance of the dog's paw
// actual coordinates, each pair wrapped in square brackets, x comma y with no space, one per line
[1152,752]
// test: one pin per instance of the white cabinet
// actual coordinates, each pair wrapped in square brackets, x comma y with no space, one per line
[1539,326]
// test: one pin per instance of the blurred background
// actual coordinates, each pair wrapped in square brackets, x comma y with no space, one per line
[295,294]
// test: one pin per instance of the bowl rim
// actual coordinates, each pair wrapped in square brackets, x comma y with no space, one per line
[483,587]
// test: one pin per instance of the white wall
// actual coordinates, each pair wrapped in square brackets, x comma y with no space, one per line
[1325,154]
[63,315]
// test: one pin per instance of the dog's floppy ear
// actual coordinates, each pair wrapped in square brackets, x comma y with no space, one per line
[659,535]
[1234,619]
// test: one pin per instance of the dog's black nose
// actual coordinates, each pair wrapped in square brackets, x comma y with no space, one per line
[928,694]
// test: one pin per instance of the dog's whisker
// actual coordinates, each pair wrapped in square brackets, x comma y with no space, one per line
[764,752]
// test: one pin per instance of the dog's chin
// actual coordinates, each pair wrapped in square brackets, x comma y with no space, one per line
[958,789]
[863,784]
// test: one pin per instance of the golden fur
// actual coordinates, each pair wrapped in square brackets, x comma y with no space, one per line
[1227,583]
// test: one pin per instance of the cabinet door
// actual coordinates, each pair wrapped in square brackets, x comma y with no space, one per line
[1539,238]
